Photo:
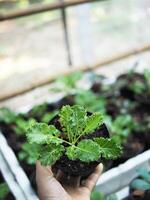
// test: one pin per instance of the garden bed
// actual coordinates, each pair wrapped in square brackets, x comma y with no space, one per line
[124,105]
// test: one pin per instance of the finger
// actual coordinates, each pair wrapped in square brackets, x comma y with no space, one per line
[48,186]
[43,172]
[93,178]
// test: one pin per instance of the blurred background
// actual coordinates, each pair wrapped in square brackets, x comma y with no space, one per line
[36,48]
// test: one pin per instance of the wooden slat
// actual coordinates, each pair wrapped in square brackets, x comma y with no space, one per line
[104,62]
[35,9]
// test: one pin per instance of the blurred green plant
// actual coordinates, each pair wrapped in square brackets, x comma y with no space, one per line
[47,117]
[7,116]
[29,153]
[90,101]
[143,180]
[122,127]
[139,87]
[96,195]
[4,191]
[68,83]
[38,111]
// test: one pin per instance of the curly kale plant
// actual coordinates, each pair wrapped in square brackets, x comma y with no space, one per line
[122,127]
[90,101]
[67,83]
[75,124]
[14,120]
[7,116]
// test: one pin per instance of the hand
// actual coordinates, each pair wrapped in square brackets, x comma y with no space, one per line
[59,187]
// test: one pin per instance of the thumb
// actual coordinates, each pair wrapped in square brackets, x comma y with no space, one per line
[93,178]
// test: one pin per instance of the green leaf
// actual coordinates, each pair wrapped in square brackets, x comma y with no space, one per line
[88,151]
[140,184]
[93,122]
[29,153]
[144,174]
[49,116]
[70,80]
[72,119]
[38,110]
[42,133]
[4,190]
[68,83]
[21,125]
[7,116]
[95,195]
[147,78]
[138,87]
[112,197]
[90,101]
[71,153]
[108,148]
[121,127]
[50,154]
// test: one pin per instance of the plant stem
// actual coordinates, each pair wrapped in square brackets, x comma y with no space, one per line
[71,144]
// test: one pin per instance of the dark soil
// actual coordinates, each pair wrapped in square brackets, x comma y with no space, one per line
[75,168]
[125,90]
[143,98]
[138,195]
[13,140]
[68,100]
[96,87]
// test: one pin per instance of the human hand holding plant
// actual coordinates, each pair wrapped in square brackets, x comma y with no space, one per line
[52,187]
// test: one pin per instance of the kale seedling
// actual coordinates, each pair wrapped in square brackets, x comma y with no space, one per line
[49,116]
[122,127]
[20,126]
[38,111]
[68,83]
[16,122]
[139,87]
[7,116]
[90,101]
[69,140]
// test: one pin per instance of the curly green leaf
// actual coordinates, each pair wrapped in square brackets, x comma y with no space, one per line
[108,148]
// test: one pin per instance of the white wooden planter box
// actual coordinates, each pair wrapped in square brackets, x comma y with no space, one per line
[118,178]
[13,173]
[9,178]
